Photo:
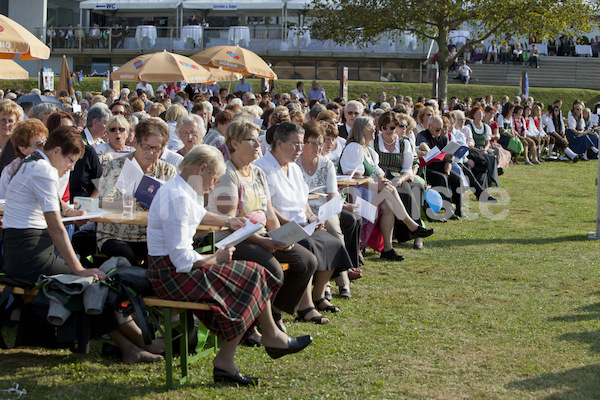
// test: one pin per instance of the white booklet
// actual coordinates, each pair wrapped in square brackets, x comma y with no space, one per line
[331,208]
[431,153]
[346,177]
[240,235]
[289,233]
[366,209]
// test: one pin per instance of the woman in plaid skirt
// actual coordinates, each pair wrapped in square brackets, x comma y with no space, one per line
[238,292]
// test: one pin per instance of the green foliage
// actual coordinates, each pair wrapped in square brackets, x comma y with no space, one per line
[355,21]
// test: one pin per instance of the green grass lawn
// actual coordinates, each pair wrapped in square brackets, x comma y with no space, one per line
[489,309]
[545,95]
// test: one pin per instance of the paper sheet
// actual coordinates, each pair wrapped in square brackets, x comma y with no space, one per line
[310,228]
[431,153]
[366,210]
[131,170]
[289,233]
[83,217]
[240,235]
[331,208]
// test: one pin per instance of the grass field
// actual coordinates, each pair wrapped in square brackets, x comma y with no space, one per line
[489,309]
[545,95]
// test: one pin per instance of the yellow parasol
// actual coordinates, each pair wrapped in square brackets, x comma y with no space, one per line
[9,69]
[162,67]
[15,39]
[235,59]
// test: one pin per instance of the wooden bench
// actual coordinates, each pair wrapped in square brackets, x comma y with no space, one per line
[163,313]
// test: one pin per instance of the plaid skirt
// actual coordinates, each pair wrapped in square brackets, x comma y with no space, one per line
[236,292]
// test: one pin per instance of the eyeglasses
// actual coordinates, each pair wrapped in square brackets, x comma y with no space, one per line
[190,134]
[402,126]
[252,140]
[315,144]
[37,145]
[352,113]
[330,140]
[114,129]
[297,145]
[437,129]
[7,121]
[147,147]
[388,128]
[71,161]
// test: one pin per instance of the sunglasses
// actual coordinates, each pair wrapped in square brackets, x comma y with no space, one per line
[114,129]
[388,128]
[402,126]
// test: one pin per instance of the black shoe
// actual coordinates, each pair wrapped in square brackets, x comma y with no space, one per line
[345,294]
[391,255]
[251,342]
[295,344]
[454,217]
[441,220]
[221,376]
[421,232]
[279,322]
[489,199]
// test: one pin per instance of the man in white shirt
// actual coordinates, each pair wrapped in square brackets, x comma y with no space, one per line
[299,90]
[243,86]
[146,87]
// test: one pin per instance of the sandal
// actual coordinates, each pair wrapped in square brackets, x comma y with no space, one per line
[331,308]
[315,320]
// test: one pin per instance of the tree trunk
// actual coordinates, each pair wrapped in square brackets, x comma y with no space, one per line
[443,55]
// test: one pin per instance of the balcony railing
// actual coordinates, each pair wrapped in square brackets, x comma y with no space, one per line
[261,39]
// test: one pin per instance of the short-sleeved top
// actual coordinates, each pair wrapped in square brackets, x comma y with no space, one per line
[398,161]
[173,219]
[335,154]
[323,180]
[108,192]
[480,136]
[82,180]
[289,192]
[252,197]
[354,156]
[32,192]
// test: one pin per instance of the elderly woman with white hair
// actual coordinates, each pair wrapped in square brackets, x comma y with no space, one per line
[237,292]
[191,130]
[359,156]
[117,129]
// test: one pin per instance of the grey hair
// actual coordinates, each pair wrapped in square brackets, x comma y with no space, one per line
[193,118]
[357,133]
[98,111]
[35,91]
[377,112]
[237,101]
[316,110]
[204,153]
[43,109]
[356,104]
[284,130]
[294,105]
[118,119]
[209,107]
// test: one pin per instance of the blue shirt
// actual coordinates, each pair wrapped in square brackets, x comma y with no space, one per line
[318,94]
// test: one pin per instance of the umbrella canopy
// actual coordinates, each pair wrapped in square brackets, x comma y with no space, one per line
[162,67]
[220,75]
[65,81]
[235,59]
[38,99]
[15,39]
[11,70]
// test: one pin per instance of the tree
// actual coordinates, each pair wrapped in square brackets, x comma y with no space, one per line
[365,21]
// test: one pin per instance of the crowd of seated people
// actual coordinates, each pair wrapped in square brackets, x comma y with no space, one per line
[220,168]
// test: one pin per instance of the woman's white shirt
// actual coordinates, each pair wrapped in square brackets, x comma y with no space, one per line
[353,157]
[31,192]
[173,219]
[289,193]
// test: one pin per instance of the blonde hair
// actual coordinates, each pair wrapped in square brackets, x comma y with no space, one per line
[175,112]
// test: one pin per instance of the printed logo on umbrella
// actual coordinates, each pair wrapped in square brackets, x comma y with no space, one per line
[138,64]
[232,55]
[1,29]
[185,64]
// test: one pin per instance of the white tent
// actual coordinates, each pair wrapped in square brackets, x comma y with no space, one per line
[116,5]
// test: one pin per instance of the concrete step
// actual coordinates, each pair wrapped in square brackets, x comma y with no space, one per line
[553,72]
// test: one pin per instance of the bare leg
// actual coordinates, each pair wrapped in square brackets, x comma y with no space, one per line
[307,302]
[386,225]
[134,334]
[224,360]
[321,278]
[130,352]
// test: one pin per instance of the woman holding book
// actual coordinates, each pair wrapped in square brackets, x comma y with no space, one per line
[237,292]
[244,192]
[129,241]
